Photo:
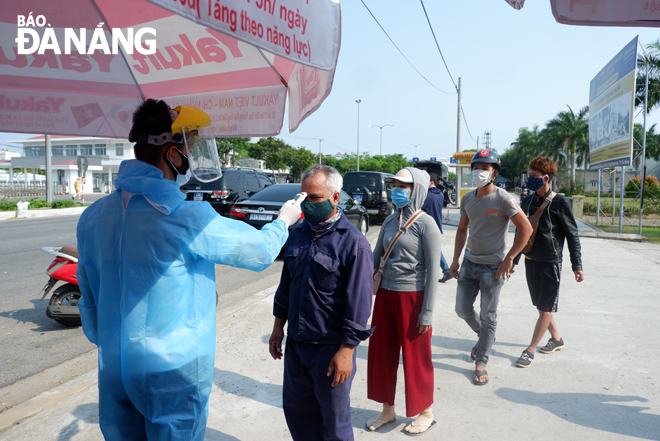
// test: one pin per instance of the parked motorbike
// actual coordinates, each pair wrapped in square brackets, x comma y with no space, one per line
[448,192]
[63,303]
[523,192]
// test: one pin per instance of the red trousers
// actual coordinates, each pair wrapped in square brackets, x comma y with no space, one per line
[395,318]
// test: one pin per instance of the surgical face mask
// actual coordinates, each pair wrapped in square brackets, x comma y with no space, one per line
[316,212]
[400,197]
[535,183]
[182,173]
[481,178]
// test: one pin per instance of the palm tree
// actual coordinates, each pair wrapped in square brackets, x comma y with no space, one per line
[653,51]
[567,134]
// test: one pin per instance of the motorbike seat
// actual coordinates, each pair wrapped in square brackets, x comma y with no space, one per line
[71,250]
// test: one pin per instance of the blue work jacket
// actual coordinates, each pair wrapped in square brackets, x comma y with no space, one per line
[326,285]
[433,205]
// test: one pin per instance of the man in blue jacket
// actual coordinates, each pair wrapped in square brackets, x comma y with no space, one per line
[147,277]
[433,207]
[325,295]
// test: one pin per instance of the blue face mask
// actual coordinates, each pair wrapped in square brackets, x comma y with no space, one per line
[535,183]
[400,197]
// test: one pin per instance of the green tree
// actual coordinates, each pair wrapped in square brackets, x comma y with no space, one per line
[567,134]
[271,150]
[652,141]
[230,149]
[299,160]
[653,50]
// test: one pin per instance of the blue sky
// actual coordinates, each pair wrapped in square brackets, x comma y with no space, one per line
[518,69]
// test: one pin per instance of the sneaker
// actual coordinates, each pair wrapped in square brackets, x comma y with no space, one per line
[445,278]
[525,360]
[553,345]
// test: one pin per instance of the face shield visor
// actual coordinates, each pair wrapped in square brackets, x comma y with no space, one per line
[202,151]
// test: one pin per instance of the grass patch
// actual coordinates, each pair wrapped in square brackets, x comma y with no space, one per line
[5,205]
[650,233]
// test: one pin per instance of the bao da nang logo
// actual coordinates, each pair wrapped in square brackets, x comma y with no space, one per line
[30,41]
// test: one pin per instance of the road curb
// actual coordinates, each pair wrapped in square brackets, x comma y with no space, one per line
[11,215]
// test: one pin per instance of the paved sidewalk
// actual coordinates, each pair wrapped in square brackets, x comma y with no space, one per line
[605,385]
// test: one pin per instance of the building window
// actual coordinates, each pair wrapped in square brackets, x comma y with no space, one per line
[33,151]
[99,149]
[85,149]
[119,149]
[594,184]
[58,150]
[71,150]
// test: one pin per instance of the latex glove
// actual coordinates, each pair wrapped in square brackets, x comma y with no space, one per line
[290,211]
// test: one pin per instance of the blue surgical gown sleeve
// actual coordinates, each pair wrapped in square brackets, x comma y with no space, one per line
[237,244]
[87,304]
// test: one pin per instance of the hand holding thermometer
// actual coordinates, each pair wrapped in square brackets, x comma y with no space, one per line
[290,211]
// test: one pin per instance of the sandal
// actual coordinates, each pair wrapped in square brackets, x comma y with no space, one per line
[480,373]
[377,424]
[428,427]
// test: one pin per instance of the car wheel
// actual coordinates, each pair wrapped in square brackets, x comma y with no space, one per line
[363,226]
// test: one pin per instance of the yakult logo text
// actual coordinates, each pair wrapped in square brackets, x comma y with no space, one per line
[78,39]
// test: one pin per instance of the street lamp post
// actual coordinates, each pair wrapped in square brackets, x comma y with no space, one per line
[381,134]
[415,145]
[358,134]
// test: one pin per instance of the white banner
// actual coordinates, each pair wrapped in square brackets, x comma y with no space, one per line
[303,31]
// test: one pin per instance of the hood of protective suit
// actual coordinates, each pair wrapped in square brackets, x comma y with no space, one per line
[421,181]
[139,177]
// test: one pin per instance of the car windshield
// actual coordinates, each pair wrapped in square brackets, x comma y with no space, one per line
[277,193]
[370,180]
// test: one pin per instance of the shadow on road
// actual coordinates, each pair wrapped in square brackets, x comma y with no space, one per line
[596,411]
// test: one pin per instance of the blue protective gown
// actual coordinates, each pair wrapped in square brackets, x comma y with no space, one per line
[147,278]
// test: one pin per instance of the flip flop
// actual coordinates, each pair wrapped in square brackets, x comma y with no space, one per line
[480,373]
[428,427]
[377,424]
[473,353]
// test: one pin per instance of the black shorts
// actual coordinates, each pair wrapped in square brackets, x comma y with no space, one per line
[543,283]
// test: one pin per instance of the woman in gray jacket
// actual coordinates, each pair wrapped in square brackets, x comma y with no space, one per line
[403,310]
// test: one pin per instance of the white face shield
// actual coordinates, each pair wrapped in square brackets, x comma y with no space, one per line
[202,155]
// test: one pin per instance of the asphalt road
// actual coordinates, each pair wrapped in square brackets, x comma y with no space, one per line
[30,342]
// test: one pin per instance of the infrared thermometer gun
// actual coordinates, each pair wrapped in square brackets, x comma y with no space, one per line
[300,197]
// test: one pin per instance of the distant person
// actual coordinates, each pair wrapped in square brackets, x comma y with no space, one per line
[486,211]
[543,262]
[77,186]
[403,310]
[325,296]
[433,206]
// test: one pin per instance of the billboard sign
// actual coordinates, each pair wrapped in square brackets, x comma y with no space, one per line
[611,106]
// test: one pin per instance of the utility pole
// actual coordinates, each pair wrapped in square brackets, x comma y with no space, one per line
[49,171]
[358,134]
[477,143]
[320,161]
[458,119]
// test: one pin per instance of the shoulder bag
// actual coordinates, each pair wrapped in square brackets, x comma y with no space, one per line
[378,274]
[534,220]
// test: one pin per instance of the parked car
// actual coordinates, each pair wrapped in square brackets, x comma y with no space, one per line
[371,191]
[263,207]
[235,184]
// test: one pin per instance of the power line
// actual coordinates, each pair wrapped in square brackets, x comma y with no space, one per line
[445,63]
[401,52]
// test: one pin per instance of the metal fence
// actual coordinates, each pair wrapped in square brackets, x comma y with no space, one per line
[22,189]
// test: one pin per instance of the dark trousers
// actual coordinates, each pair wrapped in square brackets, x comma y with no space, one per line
[314,410]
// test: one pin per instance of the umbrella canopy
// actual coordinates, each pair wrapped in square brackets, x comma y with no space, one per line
[53,80]
[603,12]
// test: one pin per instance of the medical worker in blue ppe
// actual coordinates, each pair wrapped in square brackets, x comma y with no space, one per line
[146,273]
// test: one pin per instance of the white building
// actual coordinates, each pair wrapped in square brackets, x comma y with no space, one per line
[103,155]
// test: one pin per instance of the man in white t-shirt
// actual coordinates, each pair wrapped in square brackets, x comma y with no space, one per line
[486,211]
